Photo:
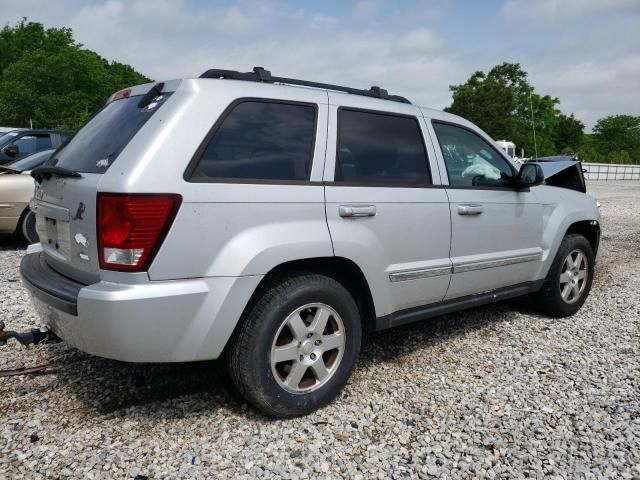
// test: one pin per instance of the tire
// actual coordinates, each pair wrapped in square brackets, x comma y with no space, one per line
[28,227]
[550,299]
[278,337]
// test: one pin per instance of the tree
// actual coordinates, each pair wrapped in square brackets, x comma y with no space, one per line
[618,133]
[501,101]
[568,133]
[51,80]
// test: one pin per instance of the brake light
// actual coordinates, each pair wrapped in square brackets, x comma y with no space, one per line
[132,227]
[121,94]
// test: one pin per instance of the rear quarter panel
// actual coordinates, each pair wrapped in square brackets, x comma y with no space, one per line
[223,228]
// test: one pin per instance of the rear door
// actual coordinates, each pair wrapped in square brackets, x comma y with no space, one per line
[386,209]
[496,228]
[65,207]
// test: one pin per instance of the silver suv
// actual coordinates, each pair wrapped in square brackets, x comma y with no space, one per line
[273,220]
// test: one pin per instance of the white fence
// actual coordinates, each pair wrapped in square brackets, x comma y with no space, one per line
[611,171]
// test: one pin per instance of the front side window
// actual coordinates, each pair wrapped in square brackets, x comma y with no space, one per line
[470,160]
[377,148]
[261,140]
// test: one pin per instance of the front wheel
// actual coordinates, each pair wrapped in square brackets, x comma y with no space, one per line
[297,346]
[569,279]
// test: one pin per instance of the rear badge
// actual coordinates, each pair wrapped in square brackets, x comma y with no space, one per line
[81,240]
[84,256]
[79,212]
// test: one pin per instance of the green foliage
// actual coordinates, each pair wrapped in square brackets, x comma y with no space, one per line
[568,133]
[618,156]
[500,103]
[616,134]
[50,79]
[587,151]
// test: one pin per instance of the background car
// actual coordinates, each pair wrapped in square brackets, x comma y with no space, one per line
[16,189]
[21,143]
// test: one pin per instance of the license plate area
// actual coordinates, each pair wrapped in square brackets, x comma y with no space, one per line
[53,227]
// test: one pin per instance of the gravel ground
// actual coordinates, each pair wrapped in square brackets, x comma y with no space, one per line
[497,392]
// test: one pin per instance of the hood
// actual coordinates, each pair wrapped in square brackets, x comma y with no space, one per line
[563,173]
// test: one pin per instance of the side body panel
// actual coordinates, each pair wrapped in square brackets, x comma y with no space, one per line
[403,250]
[562,207]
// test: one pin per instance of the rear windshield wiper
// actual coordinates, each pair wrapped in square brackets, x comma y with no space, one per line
[46,171]
[151,94]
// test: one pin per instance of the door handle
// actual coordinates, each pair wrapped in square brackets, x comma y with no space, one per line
[470,209]
[357,210]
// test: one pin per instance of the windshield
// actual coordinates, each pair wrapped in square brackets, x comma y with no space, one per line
[32,161]
[97,145]
[7,137]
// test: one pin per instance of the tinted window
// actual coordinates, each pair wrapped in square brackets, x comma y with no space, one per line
[29,144]
[470,160]
[263,141]
[379,148]
[97,145]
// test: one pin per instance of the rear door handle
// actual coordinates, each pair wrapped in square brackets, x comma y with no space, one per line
[357,210]
[470,209]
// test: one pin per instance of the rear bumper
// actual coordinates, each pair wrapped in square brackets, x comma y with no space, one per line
[163,321]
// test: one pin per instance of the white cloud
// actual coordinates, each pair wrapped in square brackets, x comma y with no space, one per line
[416,51]
[366,9]
[550,10]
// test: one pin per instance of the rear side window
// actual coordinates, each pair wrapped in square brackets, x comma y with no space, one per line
[32,143]
[260,140]
[97,145]
[377,148]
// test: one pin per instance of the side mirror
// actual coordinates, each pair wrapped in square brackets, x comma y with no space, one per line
[11,151]
[530,175]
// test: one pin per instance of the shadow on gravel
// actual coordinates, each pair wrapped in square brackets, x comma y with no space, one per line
[11,242]
[192,389]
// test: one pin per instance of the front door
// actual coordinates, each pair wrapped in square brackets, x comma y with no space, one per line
[386,209]
[496,229]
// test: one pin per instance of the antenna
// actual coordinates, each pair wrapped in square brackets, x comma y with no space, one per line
[533,123]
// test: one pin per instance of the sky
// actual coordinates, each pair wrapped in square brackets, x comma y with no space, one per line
[585,52]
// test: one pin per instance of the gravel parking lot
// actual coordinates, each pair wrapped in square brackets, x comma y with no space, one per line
[496,392]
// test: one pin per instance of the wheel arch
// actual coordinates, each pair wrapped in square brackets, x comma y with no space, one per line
[590,229]
[341,269]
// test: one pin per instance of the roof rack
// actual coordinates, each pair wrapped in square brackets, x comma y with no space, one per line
[259,74]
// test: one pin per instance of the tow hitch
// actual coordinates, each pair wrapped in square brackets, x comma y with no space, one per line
[33,337]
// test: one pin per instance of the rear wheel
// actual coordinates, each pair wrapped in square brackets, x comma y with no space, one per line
[28,227]
[297,346]
[569,280]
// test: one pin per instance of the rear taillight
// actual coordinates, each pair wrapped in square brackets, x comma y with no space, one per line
[132,227]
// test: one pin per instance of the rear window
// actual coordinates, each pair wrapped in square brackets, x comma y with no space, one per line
[260,140]
[97,145]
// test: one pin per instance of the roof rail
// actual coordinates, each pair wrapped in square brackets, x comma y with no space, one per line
[259,74]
